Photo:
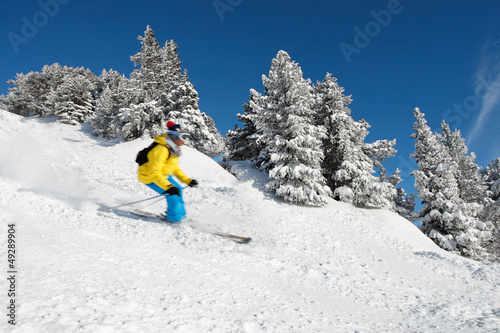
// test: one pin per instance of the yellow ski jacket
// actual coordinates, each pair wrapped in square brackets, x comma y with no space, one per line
[161,164]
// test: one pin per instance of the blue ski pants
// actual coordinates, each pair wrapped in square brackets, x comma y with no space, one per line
[175,204]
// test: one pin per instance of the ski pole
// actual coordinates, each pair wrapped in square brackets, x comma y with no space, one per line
[131,203]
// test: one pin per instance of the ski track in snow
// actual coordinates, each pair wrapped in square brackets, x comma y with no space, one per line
[331,269]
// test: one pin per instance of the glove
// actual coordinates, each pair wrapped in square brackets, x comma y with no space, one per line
[193,183]
[172,190]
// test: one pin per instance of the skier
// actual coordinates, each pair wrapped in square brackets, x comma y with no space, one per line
[157,165]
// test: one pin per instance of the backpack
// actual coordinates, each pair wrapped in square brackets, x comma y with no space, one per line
[142,156]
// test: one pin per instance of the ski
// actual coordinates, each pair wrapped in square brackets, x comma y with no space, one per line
[234,238]
[151,215]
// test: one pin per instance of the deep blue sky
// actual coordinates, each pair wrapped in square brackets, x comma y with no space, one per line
[442,56]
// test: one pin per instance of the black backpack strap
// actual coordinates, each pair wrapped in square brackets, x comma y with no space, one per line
[142,156]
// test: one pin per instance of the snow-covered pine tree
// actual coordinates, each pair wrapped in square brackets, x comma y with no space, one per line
[169,77]
[137,120]
[181,105]
[54,76]
[446,218]
[349,161]
[184,110]
[150,70]
[144,115]
[491,179]
[109,79]
[172,65]
[259,104]
[32,94]
[52,92]
[354,179]
[241,142]
[468,176]
[160,72]
[294,155]
[167,93]
[25,97]
[473,190]
[75,99]
[211,141]
[105,111]
[113,92]
[332,112]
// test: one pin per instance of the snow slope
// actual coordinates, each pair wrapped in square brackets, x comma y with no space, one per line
[331,269]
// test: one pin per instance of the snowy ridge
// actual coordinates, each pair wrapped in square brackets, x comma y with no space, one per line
[331,269]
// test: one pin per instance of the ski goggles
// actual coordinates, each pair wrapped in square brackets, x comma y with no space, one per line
[179,135]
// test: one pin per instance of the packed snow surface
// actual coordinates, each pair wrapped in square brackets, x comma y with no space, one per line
[337,268]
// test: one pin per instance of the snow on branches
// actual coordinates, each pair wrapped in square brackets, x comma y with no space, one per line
[304,137]
[444,179]
[117,106]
